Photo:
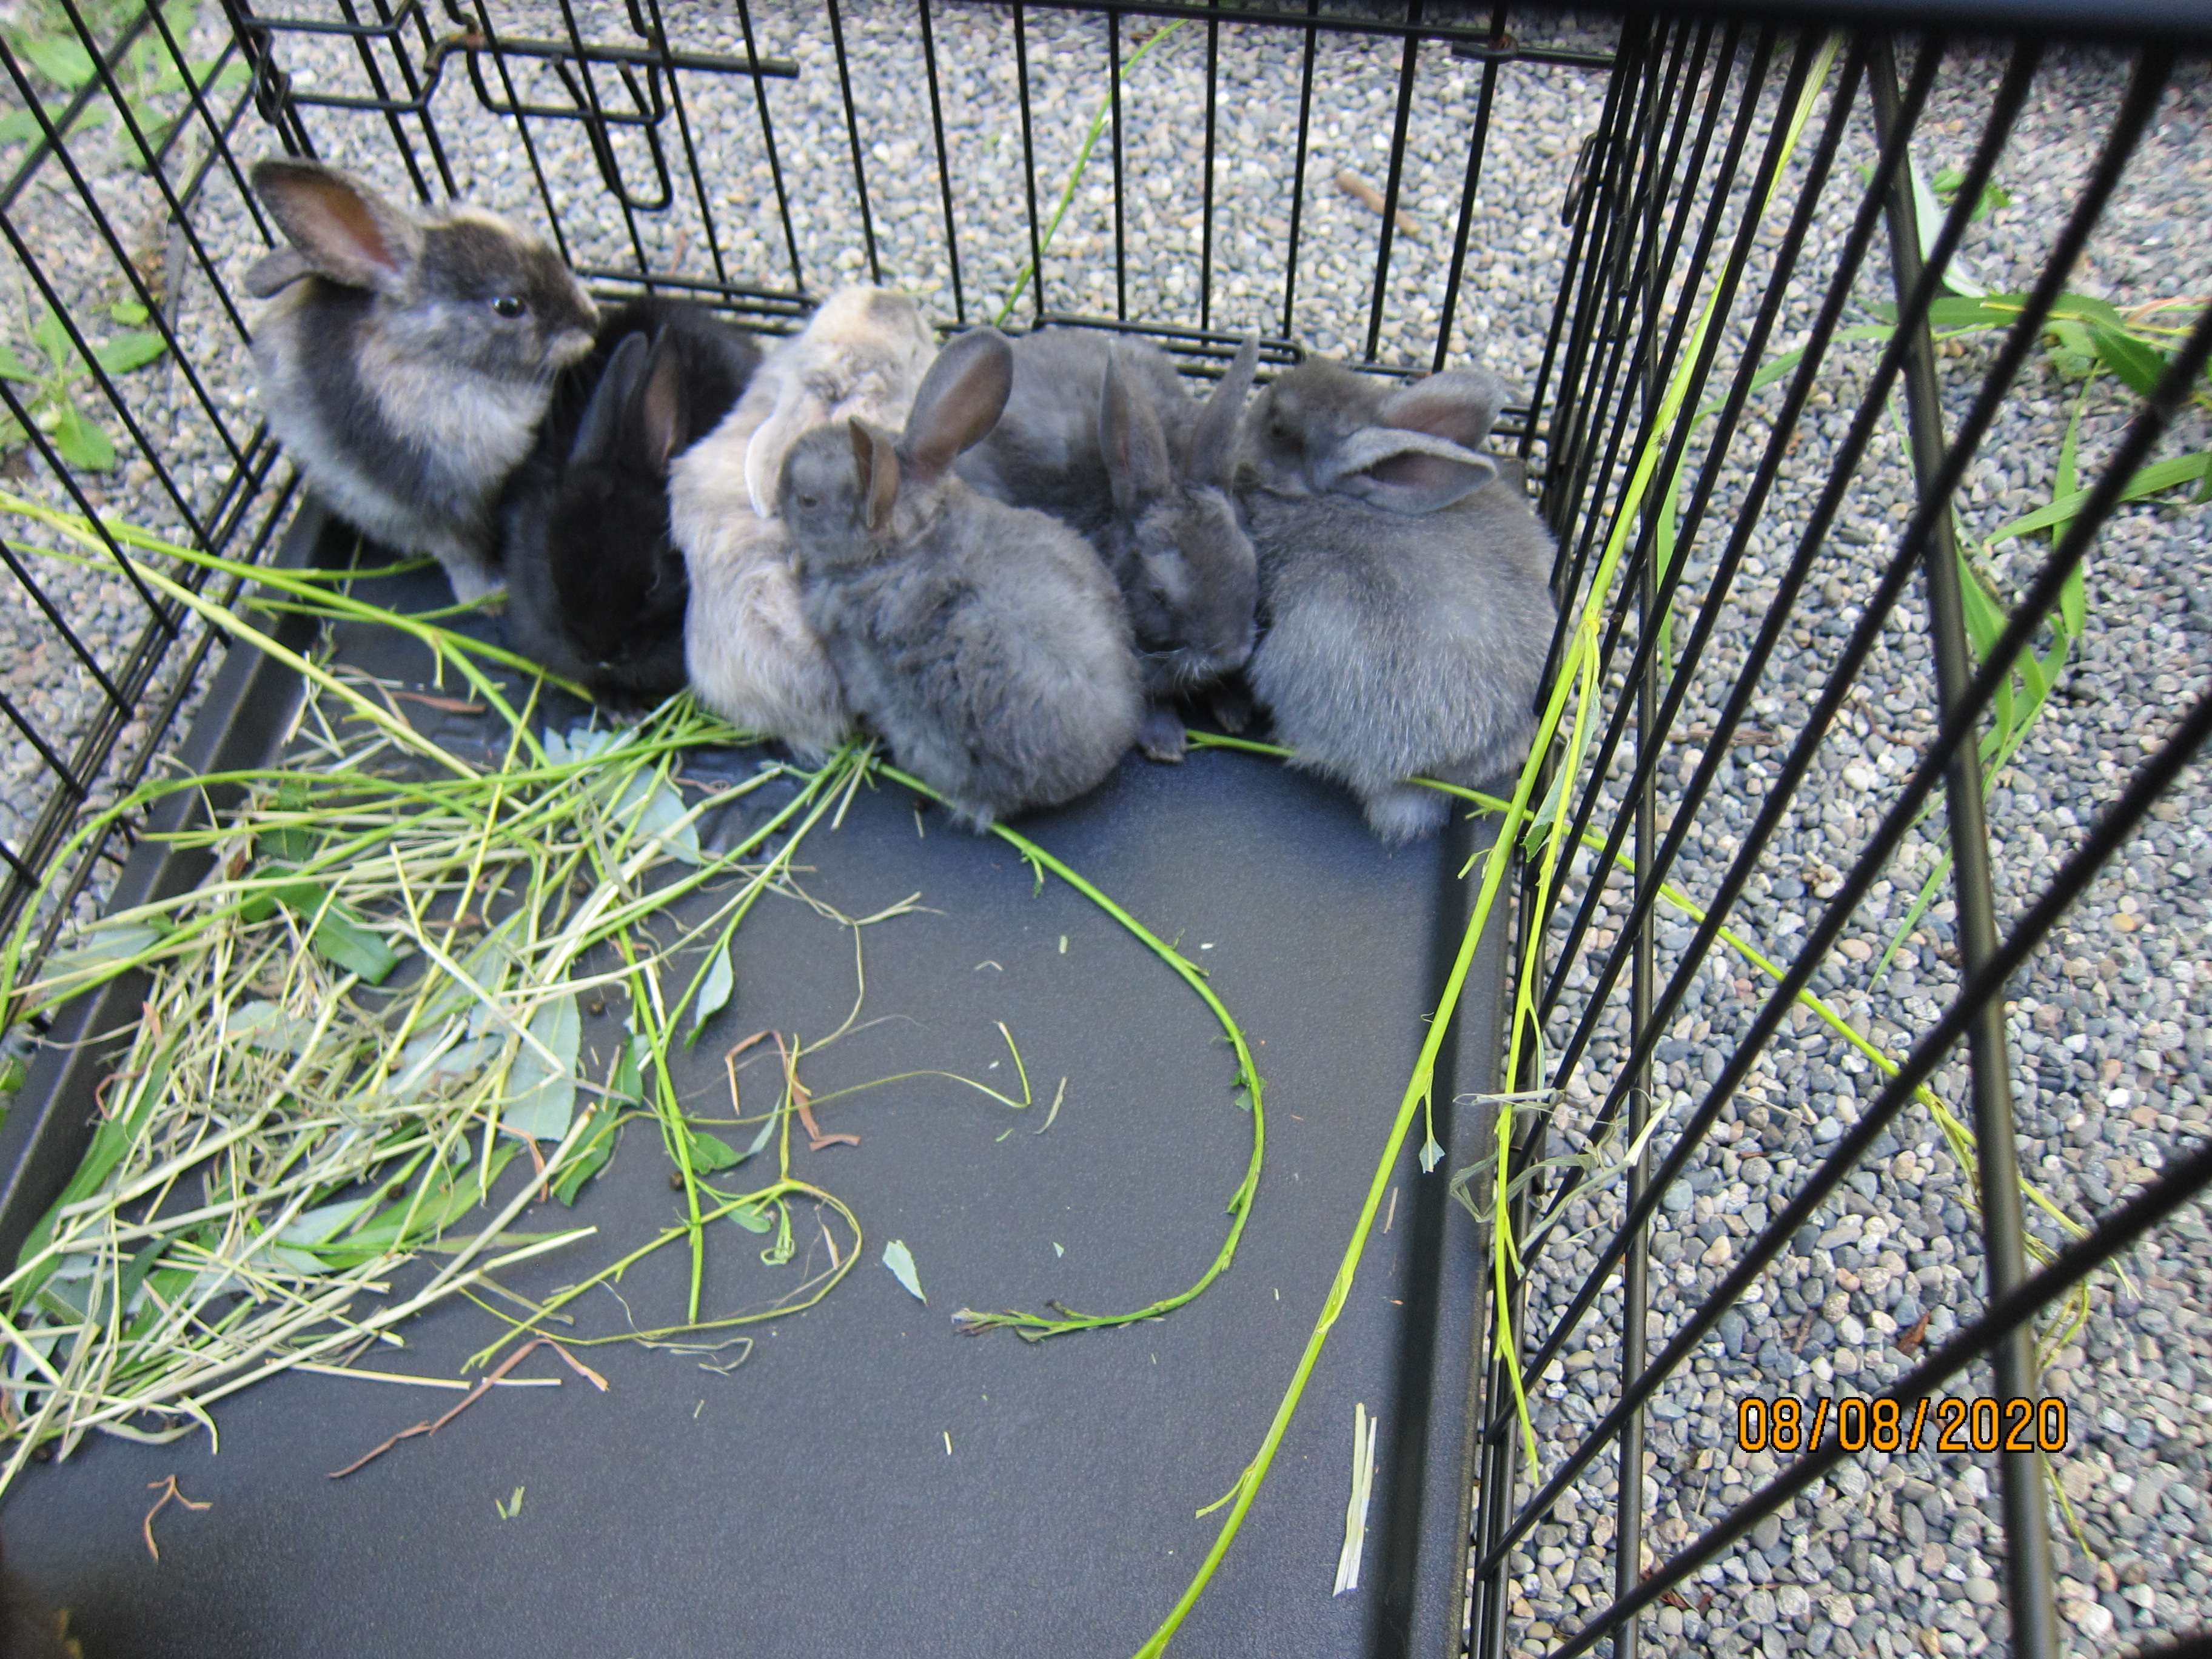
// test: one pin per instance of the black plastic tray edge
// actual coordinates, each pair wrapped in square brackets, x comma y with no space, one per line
[244,718]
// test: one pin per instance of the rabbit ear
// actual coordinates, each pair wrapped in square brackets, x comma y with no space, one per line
[798,410]
[1401,472]
[1459,405]
[343,230]
[1135,447]
[1215,431]
[273,273]
[880,472]
[959,401]
[602,417]
[662,410]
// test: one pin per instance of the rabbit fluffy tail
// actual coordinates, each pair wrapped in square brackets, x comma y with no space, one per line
[1402,812]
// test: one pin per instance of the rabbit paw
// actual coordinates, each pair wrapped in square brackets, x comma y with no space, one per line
[1232,707]
[1162,736]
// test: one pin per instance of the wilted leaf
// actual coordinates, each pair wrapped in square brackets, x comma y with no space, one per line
[900,1260]
[108,943]
[317,1226]
[714,994]
[541,1099]
[264,1025]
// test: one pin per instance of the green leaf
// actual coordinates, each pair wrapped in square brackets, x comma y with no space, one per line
[592,1157]
[711,1152]
[53,339]
[752,1218]
[128,351]
[82,444]
[301,898]
[1986,617]
[900,1260]
[129,312]
[111,1142]
[20,126]
[2140,364]
[2158,476]
[714,994]
[61,58]
[341,937]
[541,1098]
[2073,597]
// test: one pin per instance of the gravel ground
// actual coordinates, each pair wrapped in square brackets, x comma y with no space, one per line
[1894,1554]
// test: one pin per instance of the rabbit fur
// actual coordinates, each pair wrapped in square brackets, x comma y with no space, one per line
[1101,434]
[986,643]
[596,587]
[751,656]
[1404,585]
[405,362]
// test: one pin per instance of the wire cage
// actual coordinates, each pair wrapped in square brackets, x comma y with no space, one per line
[1836,353]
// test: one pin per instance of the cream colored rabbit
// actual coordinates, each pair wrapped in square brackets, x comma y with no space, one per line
[750,654]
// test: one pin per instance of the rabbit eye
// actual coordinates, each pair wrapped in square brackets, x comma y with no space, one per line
[508,305]
[809,502]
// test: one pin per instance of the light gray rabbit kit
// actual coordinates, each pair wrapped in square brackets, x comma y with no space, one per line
[1403,586]
[405,362]
[985,643]
[1100,434]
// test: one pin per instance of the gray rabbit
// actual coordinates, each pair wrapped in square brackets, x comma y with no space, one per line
[985,643]
[405,362]
[1100,434]
[1403,585]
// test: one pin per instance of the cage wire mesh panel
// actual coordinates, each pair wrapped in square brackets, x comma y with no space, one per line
[1860,1051]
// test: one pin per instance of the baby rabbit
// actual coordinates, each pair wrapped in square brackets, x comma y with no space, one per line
[751,656]
[985,642]
[1403,585]
[596,587]
[1100,434]
[405,362]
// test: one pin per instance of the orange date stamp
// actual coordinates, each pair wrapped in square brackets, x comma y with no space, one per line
[1981,1424]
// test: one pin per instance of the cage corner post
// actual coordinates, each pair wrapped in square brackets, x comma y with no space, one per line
[2030,1590]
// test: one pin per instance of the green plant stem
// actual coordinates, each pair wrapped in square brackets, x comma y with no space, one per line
[1082,160]
[1035,1326]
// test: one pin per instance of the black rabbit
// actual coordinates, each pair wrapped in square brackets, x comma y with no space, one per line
[596,585]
